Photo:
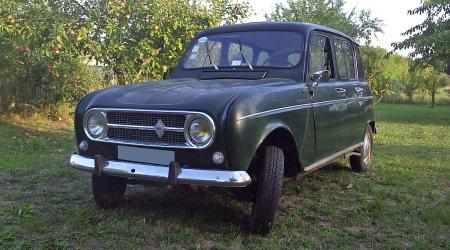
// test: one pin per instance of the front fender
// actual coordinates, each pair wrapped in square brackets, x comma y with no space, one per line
[247,136]
[255,115]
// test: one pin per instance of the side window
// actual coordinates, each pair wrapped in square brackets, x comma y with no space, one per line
[320,55]
[361,73]
[344,59]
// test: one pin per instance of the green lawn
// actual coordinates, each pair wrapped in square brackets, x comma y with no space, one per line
[401,202]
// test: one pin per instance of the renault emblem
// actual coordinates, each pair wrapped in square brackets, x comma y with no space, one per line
[159,128]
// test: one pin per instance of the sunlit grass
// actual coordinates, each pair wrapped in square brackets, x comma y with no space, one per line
[401,202]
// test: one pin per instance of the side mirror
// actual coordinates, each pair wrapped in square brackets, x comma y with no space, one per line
[320,76]
[167,73]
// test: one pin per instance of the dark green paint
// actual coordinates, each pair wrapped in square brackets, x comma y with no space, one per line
[318,130]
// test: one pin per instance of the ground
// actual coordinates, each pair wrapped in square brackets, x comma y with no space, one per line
[401,202]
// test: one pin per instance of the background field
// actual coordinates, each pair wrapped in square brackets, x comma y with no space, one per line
[402,202]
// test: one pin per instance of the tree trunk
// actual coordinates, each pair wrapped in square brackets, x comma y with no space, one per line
[448,68]
[118,72]
[433,97]
[409,93]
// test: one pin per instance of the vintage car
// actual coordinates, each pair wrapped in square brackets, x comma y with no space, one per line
[247,105]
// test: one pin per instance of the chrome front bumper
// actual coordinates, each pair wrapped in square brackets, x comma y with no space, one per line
[149,172]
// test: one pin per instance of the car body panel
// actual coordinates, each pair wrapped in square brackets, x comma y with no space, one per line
[255,115]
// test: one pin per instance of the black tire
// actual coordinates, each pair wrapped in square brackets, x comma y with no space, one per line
[108,191]
[362,162]
[269,185]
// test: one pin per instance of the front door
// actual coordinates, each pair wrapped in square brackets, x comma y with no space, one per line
[329,100]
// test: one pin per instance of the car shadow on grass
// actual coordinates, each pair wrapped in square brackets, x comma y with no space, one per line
[206,209]
[211,209]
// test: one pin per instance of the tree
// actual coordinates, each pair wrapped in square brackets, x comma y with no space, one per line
[387,73]
[44,45]
[414,83]
[40,61]
[141,39]
[430,39]
[432,81]
[396,72]
[331,13]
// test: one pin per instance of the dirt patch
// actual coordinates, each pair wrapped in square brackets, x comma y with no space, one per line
[357,229]
[93,243]
[4,178]
[291,202]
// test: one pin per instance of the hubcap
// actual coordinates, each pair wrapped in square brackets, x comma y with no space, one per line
[367,149]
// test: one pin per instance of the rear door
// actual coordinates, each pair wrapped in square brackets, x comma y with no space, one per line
[360,99]
[328,99]
[347,72]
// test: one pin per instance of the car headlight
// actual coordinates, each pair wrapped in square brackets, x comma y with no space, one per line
[200,130]
[95,124]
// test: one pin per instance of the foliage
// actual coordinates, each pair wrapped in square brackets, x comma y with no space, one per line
[430,39]
[387,74]
[432,81]
[331,13]
[415,82]
[45,45]
[396,72]
[142,39]
[42,63]
[39,63]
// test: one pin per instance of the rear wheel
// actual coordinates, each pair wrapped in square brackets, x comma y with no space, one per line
[108,191]
[362,162]
[269,185]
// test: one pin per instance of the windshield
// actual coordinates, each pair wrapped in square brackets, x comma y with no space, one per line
[277,49]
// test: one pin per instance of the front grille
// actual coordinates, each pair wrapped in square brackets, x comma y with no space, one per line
[146,119]
[138,128]
[146,136]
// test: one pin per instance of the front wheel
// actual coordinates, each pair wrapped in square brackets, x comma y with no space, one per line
[269,185]
[362,161]
[108,191]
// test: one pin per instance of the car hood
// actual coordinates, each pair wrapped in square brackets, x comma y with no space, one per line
[210,96]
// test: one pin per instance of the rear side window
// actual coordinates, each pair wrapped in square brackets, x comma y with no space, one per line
[320,55]
[344,59]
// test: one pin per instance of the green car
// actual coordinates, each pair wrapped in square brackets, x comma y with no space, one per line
[247,105]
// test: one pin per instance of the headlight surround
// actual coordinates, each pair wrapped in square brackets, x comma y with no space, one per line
[95,124]
[199,130]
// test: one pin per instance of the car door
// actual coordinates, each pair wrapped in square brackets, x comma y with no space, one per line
[328,99]
[347,74]
[359,97]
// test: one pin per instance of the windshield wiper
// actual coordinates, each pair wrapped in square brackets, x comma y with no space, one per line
[209,56]
[243,56]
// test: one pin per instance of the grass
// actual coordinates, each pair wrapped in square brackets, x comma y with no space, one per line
[401,202]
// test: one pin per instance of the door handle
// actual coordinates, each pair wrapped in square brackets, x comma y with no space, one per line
[341,91]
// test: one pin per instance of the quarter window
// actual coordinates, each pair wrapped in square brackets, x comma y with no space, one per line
[344,60]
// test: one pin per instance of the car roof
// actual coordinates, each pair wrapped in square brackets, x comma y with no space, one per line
[273,26]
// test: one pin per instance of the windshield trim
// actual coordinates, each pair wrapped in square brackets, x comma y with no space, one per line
[192,44]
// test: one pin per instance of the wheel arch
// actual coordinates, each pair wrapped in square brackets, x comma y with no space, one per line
[280,135]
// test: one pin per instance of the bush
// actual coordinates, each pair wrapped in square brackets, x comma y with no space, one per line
[44,45]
